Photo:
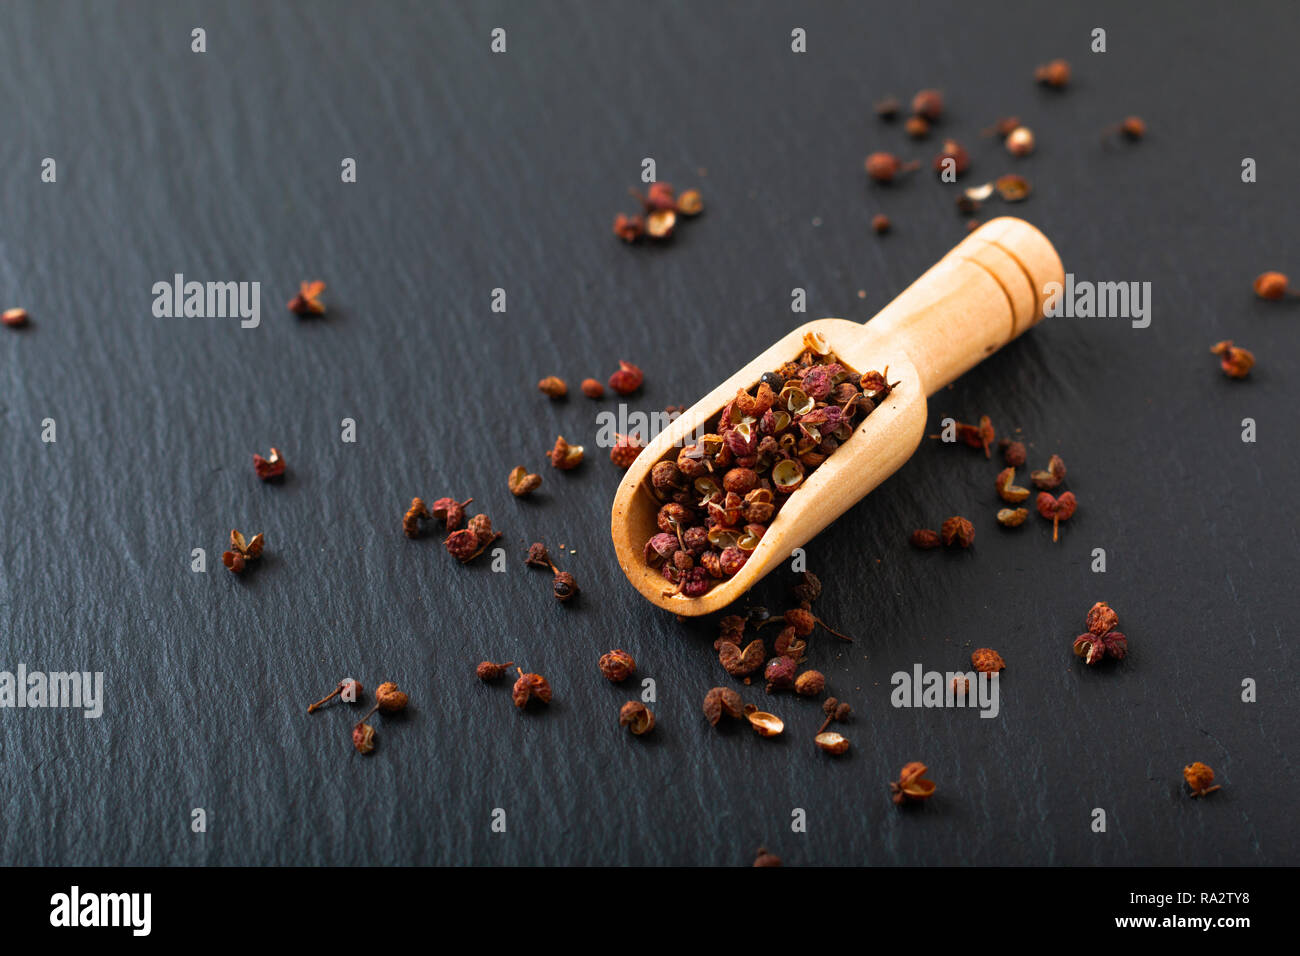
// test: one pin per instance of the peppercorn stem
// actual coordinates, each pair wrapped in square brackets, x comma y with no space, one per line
[1056,524]
[325,700]
[842,637]
[826,723]
[368,713]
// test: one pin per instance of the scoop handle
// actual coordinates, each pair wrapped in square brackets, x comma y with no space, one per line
[990,288]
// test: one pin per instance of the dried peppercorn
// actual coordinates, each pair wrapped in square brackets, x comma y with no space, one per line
[1235,361]
[592,388]
[831,742]
[981,435]
[1200,779]
[661,223]
[1055,74]
[1013,452]
[764,724]
[1271,286]
[530,687]
[1012,188]
[808,589]
[14,318]
[884,167]
[565,456]
[690,203]
[810,684]
[1008,492]
[487,670]
[626,449]
[804,621]
[952,156]
[722,700]
[911,784]
[553,387]
[411,526]
[449,511]
[1103,639]
[1133,128]
[880,224]
[1051,477]
[363,738]
[1020,141]
[629,228]
[1012,517]
[925,539]
[1056,510]
[957,531]
[764,858]
[467,544]
[887,108]
[928,104]
[565,585]
[307,301]
[627,379]
[242,551]
[986,660]
[917,127]
[521,482]
[349,689]
[779,674]
[617,666]
[739,663]
[270,467]
[835,710]
[636,717]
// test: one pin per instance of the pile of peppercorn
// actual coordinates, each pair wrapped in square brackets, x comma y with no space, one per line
[720,494]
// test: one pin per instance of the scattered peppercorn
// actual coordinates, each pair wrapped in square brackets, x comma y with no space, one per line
[722,700]
[530,687]
[779,674]
[661,223]
[1007,490]
[1012,517]
[831,742]
[883,167]
[952,156]
[1133,128]
[911,785]
[271,467]
[487,670]
[1055,74]
[349,688]
[1020,141]
[740,663]
[1012,188]
[636,717]
[1056,509]
[1102,638]
[1199,778]
[449,511]
[523,483]
[1050,477]
[14,318]
[565,456]
[925,539]
[553,387]
[592,388]
[468,543]
[617,666]
[690,203]
[808,589]
[810,684]
[411,526]
[1235,361]
[887,108]
[538,556]
[764,858]
[363,738]
[1268,285]
[765,724]
[241,551]
[880,223]
[629,228]
[986,660]
[957,531]
[1013,452]
[307,301]
[916,127]
[928,104]
[627,379]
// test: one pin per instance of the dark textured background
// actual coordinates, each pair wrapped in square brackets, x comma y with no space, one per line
[478,171]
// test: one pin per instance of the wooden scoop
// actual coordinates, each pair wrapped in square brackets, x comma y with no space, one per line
[976,299]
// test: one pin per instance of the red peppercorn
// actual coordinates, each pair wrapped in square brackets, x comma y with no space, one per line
[627,379]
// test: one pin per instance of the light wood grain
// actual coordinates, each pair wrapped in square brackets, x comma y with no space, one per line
[976,299]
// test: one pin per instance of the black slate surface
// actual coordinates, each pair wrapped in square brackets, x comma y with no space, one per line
[479,171]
